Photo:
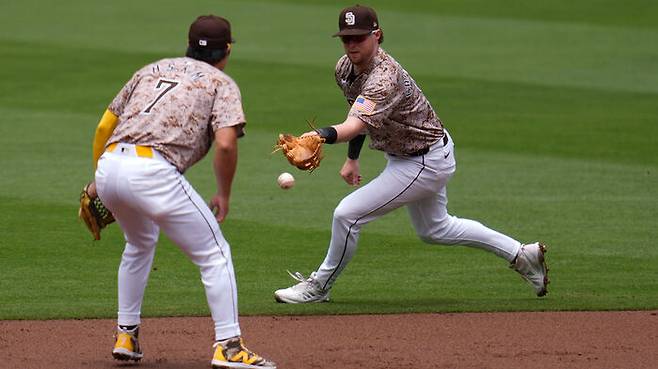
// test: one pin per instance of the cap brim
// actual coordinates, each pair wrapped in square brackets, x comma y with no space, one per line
[352,32]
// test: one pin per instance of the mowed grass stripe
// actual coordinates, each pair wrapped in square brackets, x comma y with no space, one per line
[499,49]
[631,14]
[493,115]
[58,167]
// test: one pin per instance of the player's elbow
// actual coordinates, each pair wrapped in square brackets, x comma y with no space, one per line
[226,140]
[226,146]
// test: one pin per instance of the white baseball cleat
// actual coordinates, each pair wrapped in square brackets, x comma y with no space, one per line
[531,265]
[306,291]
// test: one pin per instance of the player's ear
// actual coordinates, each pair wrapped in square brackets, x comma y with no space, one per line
[379,35]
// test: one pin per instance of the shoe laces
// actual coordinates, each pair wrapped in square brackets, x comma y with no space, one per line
[129,331]
[231,348]
[133,333]
[309,284]
[299,277]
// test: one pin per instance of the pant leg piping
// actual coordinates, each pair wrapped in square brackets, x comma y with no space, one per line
[366,214]
[214,237]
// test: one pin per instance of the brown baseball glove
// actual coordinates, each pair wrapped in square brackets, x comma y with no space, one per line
[303,152]
[95,215]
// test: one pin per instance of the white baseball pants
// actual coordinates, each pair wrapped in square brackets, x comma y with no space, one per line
[419,183]
[147,195]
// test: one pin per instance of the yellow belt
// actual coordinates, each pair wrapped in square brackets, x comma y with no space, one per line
[142,151]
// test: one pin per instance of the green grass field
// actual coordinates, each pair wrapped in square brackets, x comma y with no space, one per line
[554,110]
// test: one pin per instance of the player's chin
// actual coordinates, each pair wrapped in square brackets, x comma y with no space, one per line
[355,57]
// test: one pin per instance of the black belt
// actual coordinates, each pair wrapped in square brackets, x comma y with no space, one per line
[427,149]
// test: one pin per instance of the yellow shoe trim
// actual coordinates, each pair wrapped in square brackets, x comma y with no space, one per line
[219,354]
[124,340]
[243,357]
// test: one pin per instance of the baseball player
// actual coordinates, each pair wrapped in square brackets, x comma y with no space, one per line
[387,105]
[163,121]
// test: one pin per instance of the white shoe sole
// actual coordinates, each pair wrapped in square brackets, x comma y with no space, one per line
[124,355]
[283,299]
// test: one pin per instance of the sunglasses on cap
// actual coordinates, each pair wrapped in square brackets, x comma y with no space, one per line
[356,38]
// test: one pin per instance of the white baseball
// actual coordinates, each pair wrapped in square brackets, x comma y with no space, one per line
[286,180]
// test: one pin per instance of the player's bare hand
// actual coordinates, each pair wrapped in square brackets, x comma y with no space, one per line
[309,133]
[91,189]
[350,172]
[219,207]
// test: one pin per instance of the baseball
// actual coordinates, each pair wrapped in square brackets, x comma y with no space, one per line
[286,180]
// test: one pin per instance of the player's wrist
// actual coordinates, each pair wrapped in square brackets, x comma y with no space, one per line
[329,134]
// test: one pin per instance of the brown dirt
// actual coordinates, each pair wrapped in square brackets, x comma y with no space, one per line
[579,340]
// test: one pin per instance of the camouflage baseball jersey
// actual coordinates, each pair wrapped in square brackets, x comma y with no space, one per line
[175,106]
[400,120]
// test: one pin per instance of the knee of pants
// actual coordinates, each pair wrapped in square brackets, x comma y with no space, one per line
[132,250]
[144,238]
[209,259]
[441,232]
[344,214]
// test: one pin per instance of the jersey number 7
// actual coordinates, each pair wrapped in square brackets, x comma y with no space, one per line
[169,86]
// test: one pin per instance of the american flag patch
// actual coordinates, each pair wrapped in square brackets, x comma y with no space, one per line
[364,105]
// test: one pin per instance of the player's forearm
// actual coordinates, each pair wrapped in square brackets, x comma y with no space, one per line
[104,131]
[343,132]
[225,164]
[225,161]
[350,128]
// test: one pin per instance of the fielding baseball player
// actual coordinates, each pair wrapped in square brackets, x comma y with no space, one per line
[387,105]
[163,121]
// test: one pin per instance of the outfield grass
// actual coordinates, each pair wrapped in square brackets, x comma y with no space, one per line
[553,110]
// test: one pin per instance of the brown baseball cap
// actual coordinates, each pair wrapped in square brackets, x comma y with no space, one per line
[210,32]
[357,20]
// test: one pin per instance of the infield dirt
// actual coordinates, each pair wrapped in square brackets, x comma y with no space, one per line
[579,340]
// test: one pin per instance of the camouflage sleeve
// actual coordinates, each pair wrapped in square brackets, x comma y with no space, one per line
[341,70]
[227,109]
[341,74]
[121,100]
[377,100]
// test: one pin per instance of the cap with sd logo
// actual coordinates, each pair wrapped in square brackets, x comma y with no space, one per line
[357,20]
